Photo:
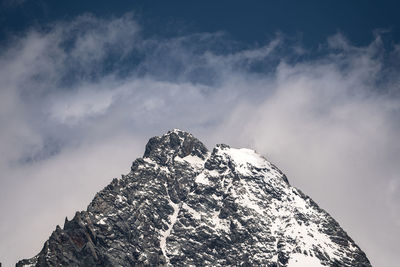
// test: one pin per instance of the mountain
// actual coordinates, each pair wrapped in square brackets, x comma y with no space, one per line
[181,205]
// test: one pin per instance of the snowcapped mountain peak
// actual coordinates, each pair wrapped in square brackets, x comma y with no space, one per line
[182,205]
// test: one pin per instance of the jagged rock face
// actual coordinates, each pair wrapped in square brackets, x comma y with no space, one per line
[181,205]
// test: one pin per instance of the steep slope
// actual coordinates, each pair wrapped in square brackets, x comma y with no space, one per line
[181,205]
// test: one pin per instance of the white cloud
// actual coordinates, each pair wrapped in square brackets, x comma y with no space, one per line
[79,101]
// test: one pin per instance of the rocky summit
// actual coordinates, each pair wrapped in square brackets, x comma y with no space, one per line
[181,205]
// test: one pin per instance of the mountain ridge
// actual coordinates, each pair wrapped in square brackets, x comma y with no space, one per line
[183,205]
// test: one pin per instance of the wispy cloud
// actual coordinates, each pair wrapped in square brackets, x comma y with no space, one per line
[80,98]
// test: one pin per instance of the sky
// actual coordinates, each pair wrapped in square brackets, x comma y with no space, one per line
[314,86]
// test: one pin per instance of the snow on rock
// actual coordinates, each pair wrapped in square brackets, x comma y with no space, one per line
[172,220]
[202,179]
[244,156]
[195,161]
[301,260]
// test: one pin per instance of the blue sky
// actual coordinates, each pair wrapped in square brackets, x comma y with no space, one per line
[312,85]
[252,22]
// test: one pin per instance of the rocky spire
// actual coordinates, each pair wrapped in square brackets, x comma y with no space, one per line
[164,148]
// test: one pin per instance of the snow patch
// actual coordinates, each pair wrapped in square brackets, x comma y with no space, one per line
[249,200]
[195,161]
[301,260]
[192,211]
[243,157]
[202,179]
[149,160]
[164,235]
[220,224]
[102,221]
[121,199]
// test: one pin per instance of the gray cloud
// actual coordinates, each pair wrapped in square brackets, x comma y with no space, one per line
[80,98]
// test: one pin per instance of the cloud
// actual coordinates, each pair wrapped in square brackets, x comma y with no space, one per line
[80,98]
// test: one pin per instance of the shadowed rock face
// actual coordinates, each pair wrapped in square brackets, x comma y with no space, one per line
[182,205]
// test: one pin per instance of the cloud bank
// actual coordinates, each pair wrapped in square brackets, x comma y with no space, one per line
[80,98]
